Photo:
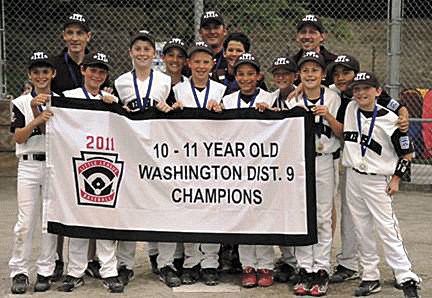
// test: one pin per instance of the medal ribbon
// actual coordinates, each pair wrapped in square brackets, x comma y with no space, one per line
[142,104]
[196,96]
[321,102]
[87,94]
[371,127]
[252,100]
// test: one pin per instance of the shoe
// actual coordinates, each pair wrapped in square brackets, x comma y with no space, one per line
[20,284]
[249,278]
[93,269]
[319,284]
[114,284]
[342,274]
[70,283]
[125,275]
[43,283]
[225,257]
[153,263]
[210,276]
[235,262]
[190,275]
[178,264]
[367,287]
[283,272]
[58,271]
[169,277]
[410,289]
[303,284]
[265,277]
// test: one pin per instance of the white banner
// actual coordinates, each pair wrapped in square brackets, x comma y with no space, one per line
[190,176]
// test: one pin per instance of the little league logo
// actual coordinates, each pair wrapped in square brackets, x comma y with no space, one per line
[97,178]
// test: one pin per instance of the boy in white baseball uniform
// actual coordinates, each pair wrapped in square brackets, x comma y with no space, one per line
[314,261]
[29,115]
[376,155]
[94,69]
[138,90]
[256,260]
[203,93]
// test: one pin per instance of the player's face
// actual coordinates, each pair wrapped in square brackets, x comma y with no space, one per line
[142,53]
[213,34]
[310,38]
[247,77]
[283,78]
[41,76]
[342,77]
[311,74]
[233,51]
[174,60]
[94,76]
[365,96]
[76,38]
[200,63]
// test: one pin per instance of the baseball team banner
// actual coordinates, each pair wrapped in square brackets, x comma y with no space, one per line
[239,176]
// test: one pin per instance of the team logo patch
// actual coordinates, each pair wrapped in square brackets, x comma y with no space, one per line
[393,105]
[404,142]
[97,178]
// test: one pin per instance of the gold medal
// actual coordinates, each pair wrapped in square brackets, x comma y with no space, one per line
[363,165]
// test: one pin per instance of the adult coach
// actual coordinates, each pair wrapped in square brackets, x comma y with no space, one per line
[311,35]
[212,31]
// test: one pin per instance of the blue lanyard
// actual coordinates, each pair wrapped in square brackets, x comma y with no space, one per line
[39,107]
[363,147]
[196,96]
[87,94]
[71,72]
[144,102]
[251,102]
[321,102]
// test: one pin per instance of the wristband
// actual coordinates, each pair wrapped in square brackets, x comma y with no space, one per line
[402,167]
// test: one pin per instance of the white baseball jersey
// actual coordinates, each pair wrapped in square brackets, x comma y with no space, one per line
[332,101]
[22,115]
[160,89]
[231,101]
[79,93]
[384,147]
[183,92]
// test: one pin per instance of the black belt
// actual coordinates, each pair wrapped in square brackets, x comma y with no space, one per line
[335,154]
[39,157]
[363,173]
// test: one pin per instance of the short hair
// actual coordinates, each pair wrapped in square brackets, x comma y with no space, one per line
[240,37]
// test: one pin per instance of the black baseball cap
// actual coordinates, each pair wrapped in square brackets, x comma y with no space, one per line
[247,58]
[240,37]
[79,19]
[175,43]
[312,56]
[285,63]
[200,46]
[365,78]
[211,16]
[40,58]
[312,20]
[346,61]
[143,35]
[96,59]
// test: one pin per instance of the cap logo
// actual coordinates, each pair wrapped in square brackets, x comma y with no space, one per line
[176,41]
[310,18]
[144,32]
[100,57]
[77,17]
[211,14]
[362,76]
[281,61]
[342,59]
[311,54]
[247,56]
[38,56]
[201,44]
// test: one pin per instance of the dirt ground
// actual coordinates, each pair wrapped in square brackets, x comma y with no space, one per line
[412,208]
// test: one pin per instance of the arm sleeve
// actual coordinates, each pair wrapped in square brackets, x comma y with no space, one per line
[402,143]
[17,119]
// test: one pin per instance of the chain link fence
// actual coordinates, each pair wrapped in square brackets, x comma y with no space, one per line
[360,28]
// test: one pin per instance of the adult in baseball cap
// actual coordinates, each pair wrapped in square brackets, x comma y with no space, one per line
[143,35]
[211,16]
[77,18]
[311,20]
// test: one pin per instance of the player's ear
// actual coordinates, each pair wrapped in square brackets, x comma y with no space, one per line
[89,36]
[323,36]
[83,68]
[378,91]
[54,73]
